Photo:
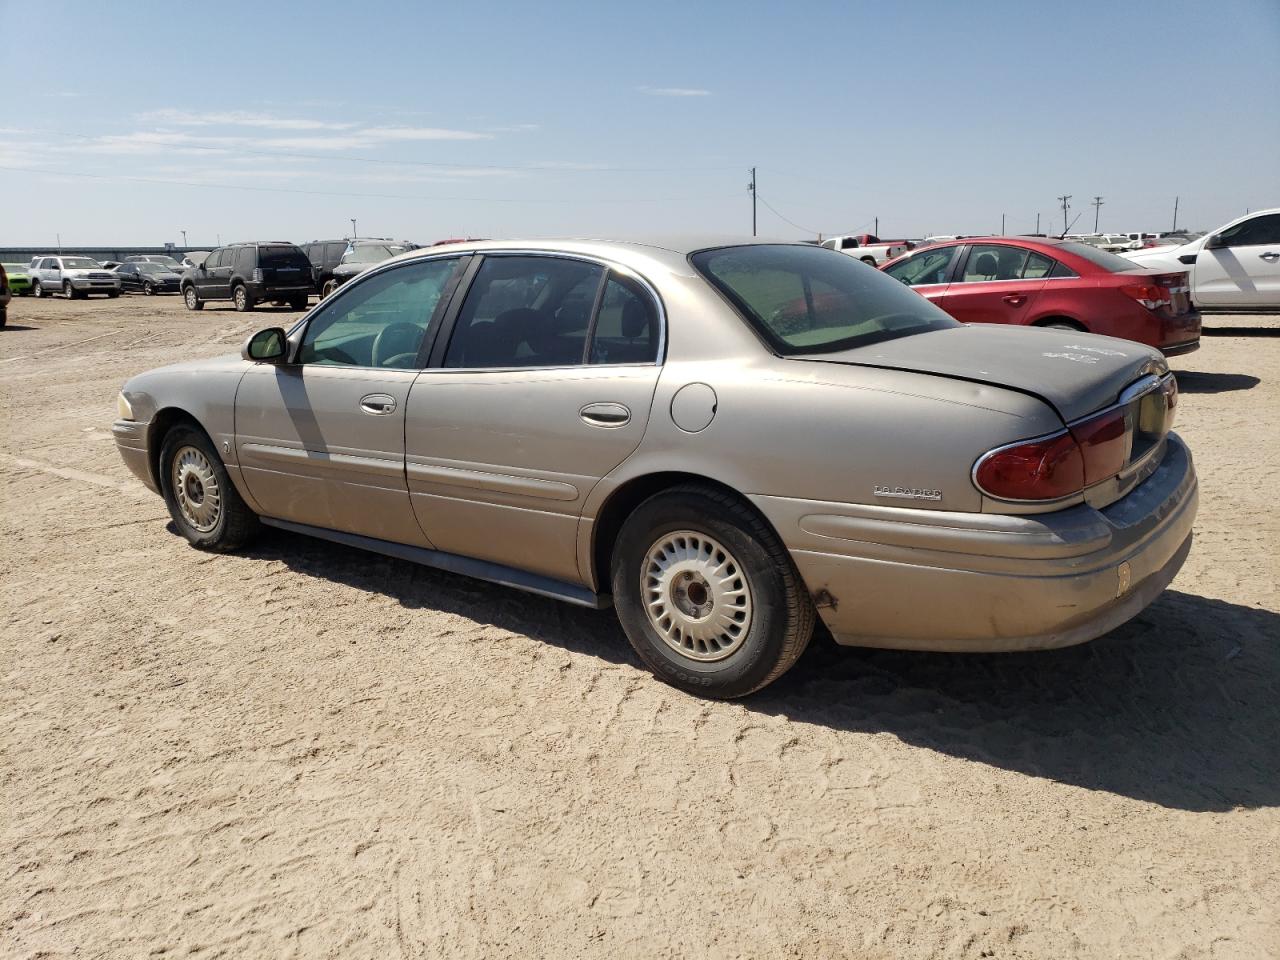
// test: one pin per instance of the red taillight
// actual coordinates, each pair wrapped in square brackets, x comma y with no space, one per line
[1047,469]
[1104,445]
[1150,295]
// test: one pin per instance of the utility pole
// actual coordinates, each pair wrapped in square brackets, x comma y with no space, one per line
[353,228]
[184,238]
[1097,207]
[1066,205]
[59,243]
[876,228]
[751,188]
[1002,224]
[1037,224]
[1175,213]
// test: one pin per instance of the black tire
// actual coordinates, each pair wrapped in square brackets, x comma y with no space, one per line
[1063,325]
[191,298]
[298,303]
[37,290]
[148,290]
[240,298]
[113,294]
[69,291]
[327,289]
[4,317]
[235,524]
[869,261]
[782,613]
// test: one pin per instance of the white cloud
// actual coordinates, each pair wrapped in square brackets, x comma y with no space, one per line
[236,118]
[675,91]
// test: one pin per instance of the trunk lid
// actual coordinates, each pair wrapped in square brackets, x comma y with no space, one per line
[1075,373]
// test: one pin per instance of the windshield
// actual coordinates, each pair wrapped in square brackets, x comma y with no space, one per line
[167,262]
[374,254]
[1108,261]
[153,268]
[14,267]
[80,263]
[804,299]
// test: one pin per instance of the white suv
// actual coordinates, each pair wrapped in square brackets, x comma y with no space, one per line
[73,277]
[1236,267]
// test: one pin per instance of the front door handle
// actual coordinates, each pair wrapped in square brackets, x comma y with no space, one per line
[605,414]
[378,404]
[1015,299]
[1269,256]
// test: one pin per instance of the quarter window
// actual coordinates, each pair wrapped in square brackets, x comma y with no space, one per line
[526,312]
[626,328]
[244,259]
[381,321]
[1037,268]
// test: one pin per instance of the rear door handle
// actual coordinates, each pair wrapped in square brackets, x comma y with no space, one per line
[1015,299]
[378,404]
[1269,256]
[605,414]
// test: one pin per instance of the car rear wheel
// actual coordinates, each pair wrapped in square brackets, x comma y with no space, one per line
[241,300]
[327,289]
[205,506]
[707,594]
[192,299]
[298,303]
[869,261]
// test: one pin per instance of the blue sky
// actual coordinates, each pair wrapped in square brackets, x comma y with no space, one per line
[131,122]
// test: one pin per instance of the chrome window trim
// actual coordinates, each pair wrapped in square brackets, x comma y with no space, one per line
[599,261]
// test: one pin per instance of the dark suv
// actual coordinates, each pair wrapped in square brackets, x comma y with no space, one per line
[248,274]
[324,256]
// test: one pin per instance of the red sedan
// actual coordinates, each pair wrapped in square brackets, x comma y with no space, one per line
[1053,283]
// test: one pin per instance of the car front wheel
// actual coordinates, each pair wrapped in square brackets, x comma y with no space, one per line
[707,594]
[68,290]
[205,506]
[148,290]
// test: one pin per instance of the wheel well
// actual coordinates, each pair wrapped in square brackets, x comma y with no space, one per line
[164,421]
[623,501]
[1047,321]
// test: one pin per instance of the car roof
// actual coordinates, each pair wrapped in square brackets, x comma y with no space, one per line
[671,251]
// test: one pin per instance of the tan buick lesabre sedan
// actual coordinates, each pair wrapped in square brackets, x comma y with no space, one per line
[723,440]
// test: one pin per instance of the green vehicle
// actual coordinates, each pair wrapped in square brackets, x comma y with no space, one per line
[19,279]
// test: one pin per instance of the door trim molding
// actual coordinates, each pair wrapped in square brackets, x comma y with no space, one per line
[453,563]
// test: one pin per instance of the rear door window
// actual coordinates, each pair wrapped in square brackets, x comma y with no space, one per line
[524,311]
[989,261]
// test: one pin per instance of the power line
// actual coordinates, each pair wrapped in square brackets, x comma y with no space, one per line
[784,219]
[331,193]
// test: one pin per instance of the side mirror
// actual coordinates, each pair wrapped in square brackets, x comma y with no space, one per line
[1216,242]
[266,346]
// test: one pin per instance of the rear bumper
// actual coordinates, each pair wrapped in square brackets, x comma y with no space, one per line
[936,580]
[1178,349]
[1181,334]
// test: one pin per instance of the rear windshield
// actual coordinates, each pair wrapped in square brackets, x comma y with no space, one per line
[372,254]
[278,257]
[1101,258]
[804,299]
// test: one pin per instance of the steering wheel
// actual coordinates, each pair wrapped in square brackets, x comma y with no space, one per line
[396,342]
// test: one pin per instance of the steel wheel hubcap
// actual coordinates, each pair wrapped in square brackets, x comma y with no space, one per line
[195,487]
[696,595]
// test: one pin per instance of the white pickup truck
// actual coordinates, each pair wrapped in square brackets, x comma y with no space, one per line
[867,248]
[1236,267]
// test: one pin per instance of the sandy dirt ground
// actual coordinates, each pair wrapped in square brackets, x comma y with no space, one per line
[306,751]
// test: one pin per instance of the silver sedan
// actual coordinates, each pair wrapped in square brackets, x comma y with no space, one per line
[723,440]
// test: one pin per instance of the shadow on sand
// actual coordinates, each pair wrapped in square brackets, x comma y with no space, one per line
[1180,707]
[1193,382]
